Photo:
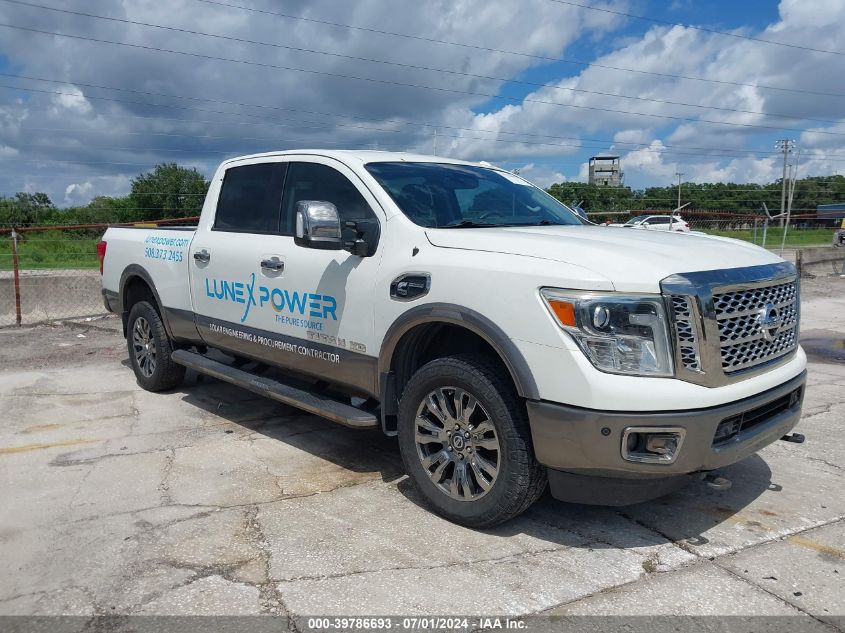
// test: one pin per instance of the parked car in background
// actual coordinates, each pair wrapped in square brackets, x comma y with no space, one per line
[657,223]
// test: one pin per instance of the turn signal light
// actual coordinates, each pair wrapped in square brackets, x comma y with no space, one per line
[564,311]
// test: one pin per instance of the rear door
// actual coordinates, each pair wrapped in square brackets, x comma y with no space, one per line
[235,251]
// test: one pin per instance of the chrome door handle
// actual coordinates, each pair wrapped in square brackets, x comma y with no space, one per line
[202,256]
[272,264]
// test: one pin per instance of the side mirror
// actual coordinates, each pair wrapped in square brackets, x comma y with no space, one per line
[318,225]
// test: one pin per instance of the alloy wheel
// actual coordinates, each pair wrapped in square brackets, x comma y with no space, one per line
[457,443]
[144,346]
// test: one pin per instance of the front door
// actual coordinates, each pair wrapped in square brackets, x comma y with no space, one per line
[336,290]
[259,295]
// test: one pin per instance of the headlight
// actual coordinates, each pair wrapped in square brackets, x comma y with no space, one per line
[620,334]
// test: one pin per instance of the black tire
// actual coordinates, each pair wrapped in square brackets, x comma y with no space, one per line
[161,373]
[520,480]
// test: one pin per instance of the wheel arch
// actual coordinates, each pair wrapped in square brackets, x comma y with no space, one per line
[403,338]
[135,285]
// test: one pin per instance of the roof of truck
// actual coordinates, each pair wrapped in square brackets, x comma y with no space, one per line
[362,156]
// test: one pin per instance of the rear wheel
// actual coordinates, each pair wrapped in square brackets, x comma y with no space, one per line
[466,443]
[150,349]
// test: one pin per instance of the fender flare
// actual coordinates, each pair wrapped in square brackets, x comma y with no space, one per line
[136,270]
[473,321]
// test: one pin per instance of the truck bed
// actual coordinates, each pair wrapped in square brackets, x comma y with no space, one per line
[161,253]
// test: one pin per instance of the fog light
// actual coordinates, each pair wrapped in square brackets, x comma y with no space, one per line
[662,444]
[649,444]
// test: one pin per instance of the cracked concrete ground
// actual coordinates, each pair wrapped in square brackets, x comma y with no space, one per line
[210,500]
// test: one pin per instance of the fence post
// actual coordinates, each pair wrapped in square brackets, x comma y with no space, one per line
[16,272]
[754,239]
[765,229]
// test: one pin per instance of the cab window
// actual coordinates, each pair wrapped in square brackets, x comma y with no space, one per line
[313,181]
[251,199]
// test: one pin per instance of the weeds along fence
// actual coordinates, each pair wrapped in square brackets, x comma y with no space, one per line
[52,273]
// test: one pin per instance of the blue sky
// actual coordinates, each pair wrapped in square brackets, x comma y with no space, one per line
[62,135]
[749,18]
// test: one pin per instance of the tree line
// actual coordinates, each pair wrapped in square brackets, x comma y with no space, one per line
[728,197]
[168,191]
[171,191]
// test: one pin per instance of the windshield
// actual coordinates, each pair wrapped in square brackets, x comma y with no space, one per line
[438,195]
[637,219]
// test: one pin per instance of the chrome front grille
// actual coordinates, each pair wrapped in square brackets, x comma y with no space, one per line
[730,324]
[746,338]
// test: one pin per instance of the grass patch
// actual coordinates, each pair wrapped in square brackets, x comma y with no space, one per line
[52,249]
[78,249]
[794,237]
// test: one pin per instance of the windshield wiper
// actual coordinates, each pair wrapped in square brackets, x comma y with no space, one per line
[469,224]
[542,222]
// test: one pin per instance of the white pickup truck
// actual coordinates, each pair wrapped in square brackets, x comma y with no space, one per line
[507,342]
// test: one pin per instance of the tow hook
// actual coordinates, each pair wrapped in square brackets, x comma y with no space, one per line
[795,438]
[717,482]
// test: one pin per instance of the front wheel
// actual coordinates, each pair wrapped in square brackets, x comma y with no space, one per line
[466,443]
[150,349]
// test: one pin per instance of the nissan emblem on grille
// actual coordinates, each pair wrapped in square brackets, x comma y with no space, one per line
[770,322]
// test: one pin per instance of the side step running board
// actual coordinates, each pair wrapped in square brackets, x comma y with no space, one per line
[336,411]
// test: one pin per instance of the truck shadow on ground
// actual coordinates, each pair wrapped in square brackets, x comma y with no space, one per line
[682,517]
[355,450]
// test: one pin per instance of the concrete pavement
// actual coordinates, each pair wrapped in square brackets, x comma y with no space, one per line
[210,500]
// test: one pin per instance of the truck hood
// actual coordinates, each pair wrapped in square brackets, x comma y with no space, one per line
[634,261]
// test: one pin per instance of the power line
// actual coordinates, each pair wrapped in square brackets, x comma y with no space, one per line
[416,66]
[580,140]
[697,28]
[644,146]
[412,85]
[666,152]
[565,60]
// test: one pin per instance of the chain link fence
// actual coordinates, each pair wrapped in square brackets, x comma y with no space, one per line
[52,273]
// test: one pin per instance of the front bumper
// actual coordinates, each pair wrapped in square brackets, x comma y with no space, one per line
[583,447]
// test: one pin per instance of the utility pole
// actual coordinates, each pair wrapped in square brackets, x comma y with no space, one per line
[679,174]
[435,141]
[785,146]
[793,176]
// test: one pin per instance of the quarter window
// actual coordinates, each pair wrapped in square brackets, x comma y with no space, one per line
[251,199]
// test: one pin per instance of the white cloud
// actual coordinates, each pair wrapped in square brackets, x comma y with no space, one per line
[77,193]
[81,193]
[541,175]
[72,98]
